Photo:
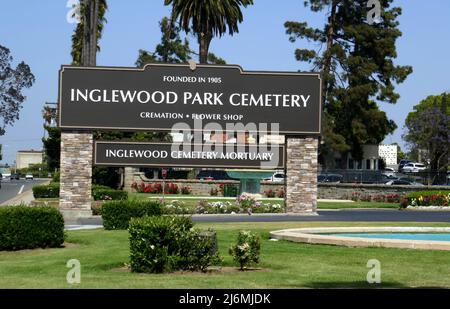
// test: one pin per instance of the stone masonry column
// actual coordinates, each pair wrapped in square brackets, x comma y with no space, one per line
[130,178]
[301,175]
[76,175]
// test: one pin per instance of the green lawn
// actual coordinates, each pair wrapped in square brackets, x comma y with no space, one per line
[291,265]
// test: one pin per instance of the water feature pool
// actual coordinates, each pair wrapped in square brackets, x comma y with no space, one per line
[410,236]
[426,238]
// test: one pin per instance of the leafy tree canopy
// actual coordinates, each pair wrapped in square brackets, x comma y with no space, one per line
[12,83]
[357,67]
[428,128]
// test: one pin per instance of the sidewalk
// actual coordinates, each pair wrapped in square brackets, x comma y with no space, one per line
[24,198]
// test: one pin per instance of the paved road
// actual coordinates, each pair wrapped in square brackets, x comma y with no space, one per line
[11,188]
[385,215]
[348,215]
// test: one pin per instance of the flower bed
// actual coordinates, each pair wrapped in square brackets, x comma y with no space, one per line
[422,199]
[243,204]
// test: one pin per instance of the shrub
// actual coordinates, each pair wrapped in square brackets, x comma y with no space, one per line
[186,190]
[46,191]
[214,192]
[230,190]
[23,227]
[246,251]
[428,198]
[162,244]
[56,176]
[171,188]
[117,214]
[176,208]
[109,194]
[198,250]
[281,193]
[269,193]
[247,201]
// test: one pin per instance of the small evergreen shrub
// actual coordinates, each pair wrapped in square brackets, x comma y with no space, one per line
[109,194]
[269,193]
[46,191]
[186,190]
[23,227]
[247,249]
[165,243]
[116,215]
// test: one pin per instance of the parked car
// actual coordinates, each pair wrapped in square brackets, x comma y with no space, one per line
[388,171]
[330,178]
[413,167]
[213,175]
[401,182]
[15,176]
[29,176]
[402,163]
[276,177]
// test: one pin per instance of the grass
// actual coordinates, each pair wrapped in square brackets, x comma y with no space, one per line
[292,265]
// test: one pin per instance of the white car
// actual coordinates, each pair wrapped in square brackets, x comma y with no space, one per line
[276,177]
[29,176]
[388,171]
[413,167]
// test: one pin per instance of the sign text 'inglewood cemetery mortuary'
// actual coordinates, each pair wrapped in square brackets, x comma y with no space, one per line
[160,96]
[110,153]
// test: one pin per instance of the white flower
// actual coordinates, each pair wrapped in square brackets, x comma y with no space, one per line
[152,247]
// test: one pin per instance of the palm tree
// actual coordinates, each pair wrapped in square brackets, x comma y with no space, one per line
[209,18]
[99,8]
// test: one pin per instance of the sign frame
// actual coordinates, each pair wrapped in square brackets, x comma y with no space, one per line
[150,65]
[165,165]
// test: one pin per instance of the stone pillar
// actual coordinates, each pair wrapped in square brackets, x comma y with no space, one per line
[76,175]
[301,175]
[129,177]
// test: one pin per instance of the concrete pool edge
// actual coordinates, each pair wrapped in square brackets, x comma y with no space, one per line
[310,236]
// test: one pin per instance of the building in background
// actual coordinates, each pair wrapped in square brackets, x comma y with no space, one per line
[26,157]
[389,154]
[370,161]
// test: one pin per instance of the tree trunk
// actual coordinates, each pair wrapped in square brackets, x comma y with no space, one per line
[330,34]
[89,52]
[204,40]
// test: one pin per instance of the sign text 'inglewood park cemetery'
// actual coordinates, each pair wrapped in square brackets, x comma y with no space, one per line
[162,97]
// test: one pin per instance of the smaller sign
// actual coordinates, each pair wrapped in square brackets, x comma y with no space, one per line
[143,154]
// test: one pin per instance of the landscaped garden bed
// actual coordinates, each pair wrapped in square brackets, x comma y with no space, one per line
[439,200]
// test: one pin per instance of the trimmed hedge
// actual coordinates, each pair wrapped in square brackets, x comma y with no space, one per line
[117,214]
[23,227]
[109,194]
[99,192]
[46,191]
[163,244]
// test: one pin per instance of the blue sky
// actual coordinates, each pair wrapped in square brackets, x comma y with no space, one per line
[37,32]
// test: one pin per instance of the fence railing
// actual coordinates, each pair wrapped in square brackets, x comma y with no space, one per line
[382,177]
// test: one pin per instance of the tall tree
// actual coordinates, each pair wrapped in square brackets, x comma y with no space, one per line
[84,37]
[356,62]
[12,82]
[428,129]
[208,18]
[171,49]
